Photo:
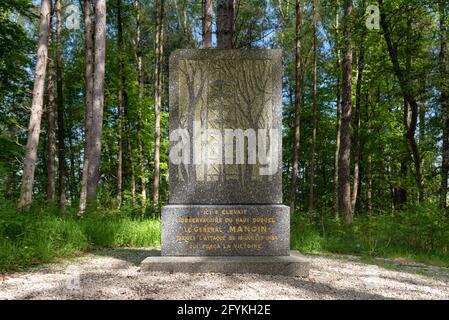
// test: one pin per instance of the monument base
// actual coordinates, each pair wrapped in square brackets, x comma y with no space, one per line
[225,230]
[294,265]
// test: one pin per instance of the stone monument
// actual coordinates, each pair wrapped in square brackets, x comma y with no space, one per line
[225,211]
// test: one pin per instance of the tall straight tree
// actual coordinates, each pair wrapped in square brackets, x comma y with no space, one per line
[357,120]
[140,114]
[444,89]
[314,107]
[298,84]
[130,150]
[120,103]
[338,106]
[207,24]
[34,126]
[89,86]
[344,169]
[60,105]
[225,24]
[98,100]
[51,170]
[410,103]
[158,98]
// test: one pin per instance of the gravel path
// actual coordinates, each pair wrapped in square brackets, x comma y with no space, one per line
[114,274]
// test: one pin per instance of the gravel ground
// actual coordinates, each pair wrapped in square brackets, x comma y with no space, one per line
[115,274]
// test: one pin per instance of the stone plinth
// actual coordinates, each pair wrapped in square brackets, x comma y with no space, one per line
[226,230]
[293,265]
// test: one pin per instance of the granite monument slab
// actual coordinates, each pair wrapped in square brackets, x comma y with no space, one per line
[225,169]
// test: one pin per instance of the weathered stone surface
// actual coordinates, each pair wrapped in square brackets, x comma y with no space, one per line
[294,265]
[226,230]
[219,90]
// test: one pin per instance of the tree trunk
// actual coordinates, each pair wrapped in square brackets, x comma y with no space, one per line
[225,24]
[60,106]
[120,105]
[89,80]
[141,120]
[314,107]
[369,187]
[207,24]
[130,151]
[297,127]
[338,107]
[357,122]
[411,103]
[158,100]
[51,172]
[444,89]
[98,100]
[34,125]
[345,137]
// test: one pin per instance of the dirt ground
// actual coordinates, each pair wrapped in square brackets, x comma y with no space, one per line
[115,274]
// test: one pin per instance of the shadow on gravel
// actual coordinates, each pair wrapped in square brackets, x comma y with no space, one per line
[131,255]
[411,268]
[319,290]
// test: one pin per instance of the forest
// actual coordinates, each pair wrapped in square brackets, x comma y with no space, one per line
[84,120]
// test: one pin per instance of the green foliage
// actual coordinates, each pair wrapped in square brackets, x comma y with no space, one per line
[420,233]
[41,235]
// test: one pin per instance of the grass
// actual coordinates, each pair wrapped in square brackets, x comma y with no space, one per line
[418,234]
[43,234]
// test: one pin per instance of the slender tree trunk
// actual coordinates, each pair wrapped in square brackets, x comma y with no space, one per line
[98,100]
[141,119]
[34,125]
[158,100]
[120,105]
[314,108]
[422,138]
[60,106]
[357,122]
[338,107]
[225,24]
[51,187]
[298,83]
[369,187]
[72,181]
[345,138]
[444,89]
[207,24]
[89,80]
[130,151]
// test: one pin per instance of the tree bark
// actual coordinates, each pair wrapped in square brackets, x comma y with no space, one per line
[158,100]
[130,151]
[314,108]
[225,24]
[444,89]
[60,106]
[141,120]
[297,126]
[98,100]
[345,138]
[51,172]
[89,83]
[120,104]
[357,122]
[207,24]
[34,125]
[338,107]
